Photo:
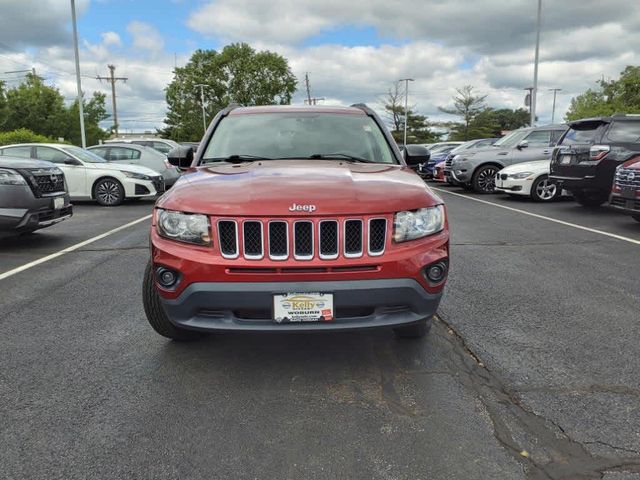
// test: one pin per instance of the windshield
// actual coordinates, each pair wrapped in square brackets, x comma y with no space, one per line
[272,136]
[84,155]
[512,139]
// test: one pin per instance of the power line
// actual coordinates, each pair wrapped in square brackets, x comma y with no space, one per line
[112,79]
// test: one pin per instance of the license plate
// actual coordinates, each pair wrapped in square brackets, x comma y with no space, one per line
[628,192]
[303,307]
[58,203]
[565,159]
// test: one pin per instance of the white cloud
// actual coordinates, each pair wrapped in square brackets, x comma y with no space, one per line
[111,39]
[146,37]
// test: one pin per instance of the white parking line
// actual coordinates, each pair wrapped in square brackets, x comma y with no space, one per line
[27,266]
[561,222]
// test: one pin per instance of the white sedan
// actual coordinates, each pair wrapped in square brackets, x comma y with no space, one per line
[90,177]
[528,179]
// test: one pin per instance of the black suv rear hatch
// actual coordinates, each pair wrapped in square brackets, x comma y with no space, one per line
[574,149]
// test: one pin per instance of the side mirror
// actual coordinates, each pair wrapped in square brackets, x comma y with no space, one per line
[522,144]
[181,157]
[71,161]
[414,155]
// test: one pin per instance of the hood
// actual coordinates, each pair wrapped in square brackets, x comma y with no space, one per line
[16,162]
[123,167]
[271,188]
[539,166]
[487,153]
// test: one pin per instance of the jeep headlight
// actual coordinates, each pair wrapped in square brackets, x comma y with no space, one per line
[138,176]
[184,227]
[11,177]
[521,175]
[410,225]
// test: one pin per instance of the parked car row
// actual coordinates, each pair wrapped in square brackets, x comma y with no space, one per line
[38,180]
[594,160]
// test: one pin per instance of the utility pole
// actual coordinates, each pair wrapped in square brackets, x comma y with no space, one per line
[314,100]
[406,107]
[534,92]
[112,79]
[78,81]
[204,113]
[306,82]
[553,110]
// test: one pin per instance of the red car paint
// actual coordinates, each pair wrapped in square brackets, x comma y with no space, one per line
[438,172]
[289,190]
[339,189]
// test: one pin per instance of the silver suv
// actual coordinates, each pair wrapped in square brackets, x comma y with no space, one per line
[477,169]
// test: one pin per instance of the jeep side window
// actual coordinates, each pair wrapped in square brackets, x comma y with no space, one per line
[624,132]
[539,138]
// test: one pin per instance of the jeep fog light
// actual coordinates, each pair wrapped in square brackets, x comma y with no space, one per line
[184,227]
[420,223]
[436,272]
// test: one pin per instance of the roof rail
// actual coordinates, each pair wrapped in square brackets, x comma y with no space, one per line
[363,107]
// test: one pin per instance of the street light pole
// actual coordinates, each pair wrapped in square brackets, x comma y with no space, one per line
[204,113]
[534,92]
[406,107]
[78,81]
[553,109]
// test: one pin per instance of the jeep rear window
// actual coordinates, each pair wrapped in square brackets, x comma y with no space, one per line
[624,132]
[298,135]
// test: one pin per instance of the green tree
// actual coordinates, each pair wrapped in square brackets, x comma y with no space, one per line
[3,105]
[492,123]
[237,74]
[22,135]
[468,106]
[418,129]
[35,106]
[94,112]
[614,96]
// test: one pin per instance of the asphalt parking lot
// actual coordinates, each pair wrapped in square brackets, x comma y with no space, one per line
[530,371]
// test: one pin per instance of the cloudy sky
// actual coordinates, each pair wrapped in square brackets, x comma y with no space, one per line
[353,50]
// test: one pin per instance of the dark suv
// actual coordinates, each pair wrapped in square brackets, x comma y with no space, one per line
[588,154]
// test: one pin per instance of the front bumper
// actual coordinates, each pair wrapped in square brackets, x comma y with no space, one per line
[358,304]
[513,186]
[24,213]
[136,188]
[628,205]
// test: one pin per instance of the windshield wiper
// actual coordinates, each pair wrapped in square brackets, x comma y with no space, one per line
[235,159]
[343,156]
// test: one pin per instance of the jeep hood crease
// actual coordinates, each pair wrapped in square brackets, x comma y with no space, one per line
[269,188]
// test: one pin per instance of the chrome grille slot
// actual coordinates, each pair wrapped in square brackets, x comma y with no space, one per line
[278,240]
[228,238]
[377,236]
[328,243]
[303,240]
[253,240]
[353,238]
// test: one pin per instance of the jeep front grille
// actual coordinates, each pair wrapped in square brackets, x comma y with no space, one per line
[326,239]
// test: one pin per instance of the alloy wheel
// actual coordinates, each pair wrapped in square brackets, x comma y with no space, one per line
[108,192]
[546,190]
[487,179]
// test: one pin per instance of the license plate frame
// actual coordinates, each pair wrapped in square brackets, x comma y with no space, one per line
[303,307]
[565,159]
[58,203]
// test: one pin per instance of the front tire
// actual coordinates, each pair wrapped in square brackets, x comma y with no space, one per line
[484,179]
[590,199]
[109,192]
[543,190]
[416,330]
[156,315]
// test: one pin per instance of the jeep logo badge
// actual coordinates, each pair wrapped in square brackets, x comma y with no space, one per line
[302,208]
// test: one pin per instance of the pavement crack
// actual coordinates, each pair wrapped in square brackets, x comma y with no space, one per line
[541,445]
[584,390]
[622,449]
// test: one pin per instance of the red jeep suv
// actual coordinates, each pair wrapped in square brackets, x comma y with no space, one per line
[296,219]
